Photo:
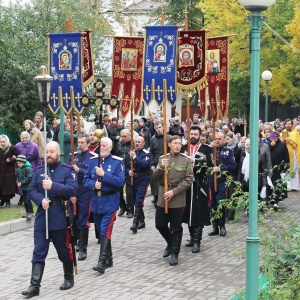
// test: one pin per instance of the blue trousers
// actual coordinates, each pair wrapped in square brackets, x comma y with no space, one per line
[220,194]
[61,242]
[105,223]
[139,191]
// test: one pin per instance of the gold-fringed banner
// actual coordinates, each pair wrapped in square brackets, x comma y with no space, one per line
[126,71]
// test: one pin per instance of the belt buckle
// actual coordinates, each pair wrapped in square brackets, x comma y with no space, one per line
[99,193]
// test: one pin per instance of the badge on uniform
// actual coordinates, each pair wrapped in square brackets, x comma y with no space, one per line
[92,175]
[147,157]
[109,168]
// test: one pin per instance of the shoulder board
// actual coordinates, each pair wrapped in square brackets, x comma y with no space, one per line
[183,154]
[146,151]
[95,155]
[76,152]
[163,155]
[67,166]
[117,157]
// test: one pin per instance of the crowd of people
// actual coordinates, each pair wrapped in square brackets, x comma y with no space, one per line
[110,173]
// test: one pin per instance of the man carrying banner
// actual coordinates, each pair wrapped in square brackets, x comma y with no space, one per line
[61,184]
[82,200]
[180,178]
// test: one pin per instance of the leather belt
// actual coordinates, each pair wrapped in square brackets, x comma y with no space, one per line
[55,202]
[170,185]
[100,193]
[141,174]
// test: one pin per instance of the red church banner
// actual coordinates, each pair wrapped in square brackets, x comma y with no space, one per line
[217,68]
[191,71]
[127,71]
[88,64]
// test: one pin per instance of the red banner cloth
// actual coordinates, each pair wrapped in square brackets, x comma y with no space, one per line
[127,69]
[88,63]
[191,71]
[217,68]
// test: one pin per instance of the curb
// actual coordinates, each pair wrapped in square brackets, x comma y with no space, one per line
[15,225]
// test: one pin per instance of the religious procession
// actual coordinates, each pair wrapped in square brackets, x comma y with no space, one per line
[165,130]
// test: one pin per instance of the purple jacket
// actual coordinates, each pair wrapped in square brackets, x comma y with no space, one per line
[32,153]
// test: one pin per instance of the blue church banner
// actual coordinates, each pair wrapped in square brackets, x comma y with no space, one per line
[65,67]
[160,62]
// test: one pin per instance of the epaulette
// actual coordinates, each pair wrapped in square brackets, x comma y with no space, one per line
[183,154]
[76,152]
[117,157]
[164,155]
[95,155]
[146,151]
[67,166]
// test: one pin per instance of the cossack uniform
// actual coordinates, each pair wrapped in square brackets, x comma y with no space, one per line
[81,223]
[141,180]
[64,185]
[105,205]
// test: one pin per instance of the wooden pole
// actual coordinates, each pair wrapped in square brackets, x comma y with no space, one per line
[165,142]
[215,156]
[72,140]
[131,128]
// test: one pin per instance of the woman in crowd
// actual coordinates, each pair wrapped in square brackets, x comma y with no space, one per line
[35,136]
[8,155]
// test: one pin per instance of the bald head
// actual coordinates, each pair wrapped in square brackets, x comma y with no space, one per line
[53,152]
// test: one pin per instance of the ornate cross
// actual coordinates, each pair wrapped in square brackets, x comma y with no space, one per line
[54,99]
[158,90]
[67,98]
[147,90]
[171,91]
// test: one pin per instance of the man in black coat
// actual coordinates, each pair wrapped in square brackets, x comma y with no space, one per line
[281,163]
[197,213]
[143,131]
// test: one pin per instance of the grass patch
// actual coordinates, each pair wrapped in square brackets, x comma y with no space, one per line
[14,212]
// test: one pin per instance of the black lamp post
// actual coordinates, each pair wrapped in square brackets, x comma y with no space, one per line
[43,83]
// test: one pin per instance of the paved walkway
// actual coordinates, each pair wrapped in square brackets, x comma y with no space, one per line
[139,271]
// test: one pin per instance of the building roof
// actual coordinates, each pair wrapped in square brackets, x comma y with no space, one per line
[142,6]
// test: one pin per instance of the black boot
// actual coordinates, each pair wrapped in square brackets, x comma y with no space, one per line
[230,214]
[191,241]
[35,282]
[197,239]
[222,222]
[215,230]
[135,223]
[83,243]
[68,275]
[167,235]
[141,219]
[109,261]
[101,266]
[76,233]
[20,200]
[176,243]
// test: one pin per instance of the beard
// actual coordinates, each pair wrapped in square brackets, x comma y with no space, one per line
[53,160]
[194,141]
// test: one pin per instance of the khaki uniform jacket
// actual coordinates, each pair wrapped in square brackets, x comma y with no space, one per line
[180,178]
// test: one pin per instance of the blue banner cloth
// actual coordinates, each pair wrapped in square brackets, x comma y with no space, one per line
[65,67]
[160,62]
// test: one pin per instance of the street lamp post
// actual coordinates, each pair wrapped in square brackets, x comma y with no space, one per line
[255,21]
[43,83]
[267,76]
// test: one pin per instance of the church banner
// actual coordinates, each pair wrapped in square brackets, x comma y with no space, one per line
[88,63]
[191,72]
[65,68]
[160,62]
[127,70]
[217,68]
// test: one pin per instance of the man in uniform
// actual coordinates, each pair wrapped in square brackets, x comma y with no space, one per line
[61,184]
[123,149]
[82,200]
[196,213]
[141,179]
[180,178]
[225,164]
[105,174]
